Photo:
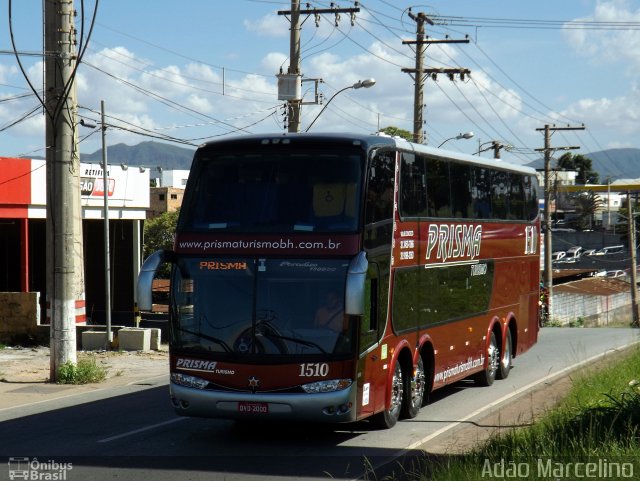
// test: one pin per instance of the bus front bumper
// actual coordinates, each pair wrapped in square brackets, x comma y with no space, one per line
[328,407]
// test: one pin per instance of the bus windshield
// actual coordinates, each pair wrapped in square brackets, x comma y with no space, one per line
[270,190]
[260,307]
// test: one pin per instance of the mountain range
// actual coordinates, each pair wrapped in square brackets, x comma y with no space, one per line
[147,154]
[613,163]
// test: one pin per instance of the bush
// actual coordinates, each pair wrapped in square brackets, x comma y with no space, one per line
[84,372]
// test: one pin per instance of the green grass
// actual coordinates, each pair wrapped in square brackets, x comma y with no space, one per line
[598,422]
[86,371]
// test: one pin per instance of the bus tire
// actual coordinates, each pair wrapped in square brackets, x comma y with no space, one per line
[414,392]
[389,417]
[488,375]
[506,362]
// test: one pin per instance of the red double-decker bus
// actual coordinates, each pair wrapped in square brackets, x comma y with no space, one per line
[338,277]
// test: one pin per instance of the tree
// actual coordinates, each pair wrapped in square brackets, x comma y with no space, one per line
[582,165]
[159,233]
[397,132]
[586,205]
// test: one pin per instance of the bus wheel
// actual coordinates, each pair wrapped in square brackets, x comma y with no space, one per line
[389,417]
[414,396]
[486,377]
[506,363]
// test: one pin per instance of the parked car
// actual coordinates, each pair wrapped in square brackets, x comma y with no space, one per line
[616,273]
[573,254]
[610,250]
[557,255]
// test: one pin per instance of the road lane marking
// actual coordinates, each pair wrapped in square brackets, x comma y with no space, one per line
[515,393]
[444,429]
[140,430]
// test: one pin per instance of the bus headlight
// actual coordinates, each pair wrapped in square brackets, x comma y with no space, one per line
[326,386]
[189,381]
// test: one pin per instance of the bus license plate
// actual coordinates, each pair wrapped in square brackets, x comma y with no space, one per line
[249,407]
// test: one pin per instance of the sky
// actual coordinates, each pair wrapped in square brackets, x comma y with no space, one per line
[198,70]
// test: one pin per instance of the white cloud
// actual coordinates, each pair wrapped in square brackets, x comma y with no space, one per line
[608,45]
[271,25]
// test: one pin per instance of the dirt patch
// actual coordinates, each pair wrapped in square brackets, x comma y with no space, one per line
[32,364]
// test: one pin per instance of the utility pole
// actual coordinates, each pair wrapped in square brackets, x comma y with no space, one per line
[496,146]
[105,214]
[634,275]
[65,270]
[291,81]
[548,269]
[419,73]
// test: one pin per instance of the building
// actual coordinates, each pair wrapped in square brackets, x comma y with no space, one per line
[164,199]
[23,232]
[173,178]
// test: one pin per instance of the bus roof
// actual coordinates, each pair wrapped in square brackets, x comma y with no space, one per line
[370,141]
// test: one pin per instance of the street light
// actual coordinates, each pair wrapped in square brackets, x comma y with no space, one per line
[466,135]
[359,84]
[105,210]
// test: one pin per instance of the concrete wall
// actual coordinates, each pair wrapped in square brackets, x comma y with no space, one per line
[19,317]
[593,310]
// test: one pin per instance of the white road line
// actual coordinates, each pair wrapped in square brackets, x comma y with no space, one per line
[515,393]
[417,444]
[140,430]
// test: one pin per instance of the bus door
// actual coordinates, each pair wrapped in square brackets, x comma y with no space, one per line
[370,362]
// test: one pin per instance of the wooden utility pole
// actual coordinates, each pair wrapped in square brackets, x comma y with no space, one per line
[419,73]
[548,269]
[65,270]
[294,104]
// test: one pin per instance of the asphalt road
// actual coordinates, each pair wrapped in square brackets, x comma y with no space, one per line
[131,433]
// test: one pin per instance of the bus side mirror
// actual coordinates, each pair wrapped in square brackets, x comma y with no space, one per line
[146,275]
[355,288]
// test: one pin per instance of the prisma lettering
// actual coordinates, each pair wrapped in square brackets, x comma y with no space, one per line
[454,241]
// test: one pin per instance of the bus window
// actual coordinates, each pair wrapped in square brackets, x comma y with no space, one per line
[438,188]
[413,188]
[481,193]
[460,175]
[370,320]
[379,201]
[516,198]
[311,191]
[500,194]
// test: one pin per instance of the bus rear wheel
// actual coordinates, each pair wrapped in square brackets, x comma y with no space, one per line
[414,397]
[488,375]
[389,417]
[506,363]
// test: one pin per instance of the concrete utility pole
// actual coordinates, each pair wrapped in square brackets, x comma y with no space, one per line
[420,73]
[294,104]
[65,270]
[548,269]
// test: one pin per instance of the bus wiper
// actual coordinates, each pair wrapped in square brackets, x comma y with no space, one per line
[220,342]
[270,333]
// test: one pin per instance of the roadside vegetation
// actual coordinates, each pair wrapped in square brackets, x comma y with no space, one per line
[598,422]
[86,371]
